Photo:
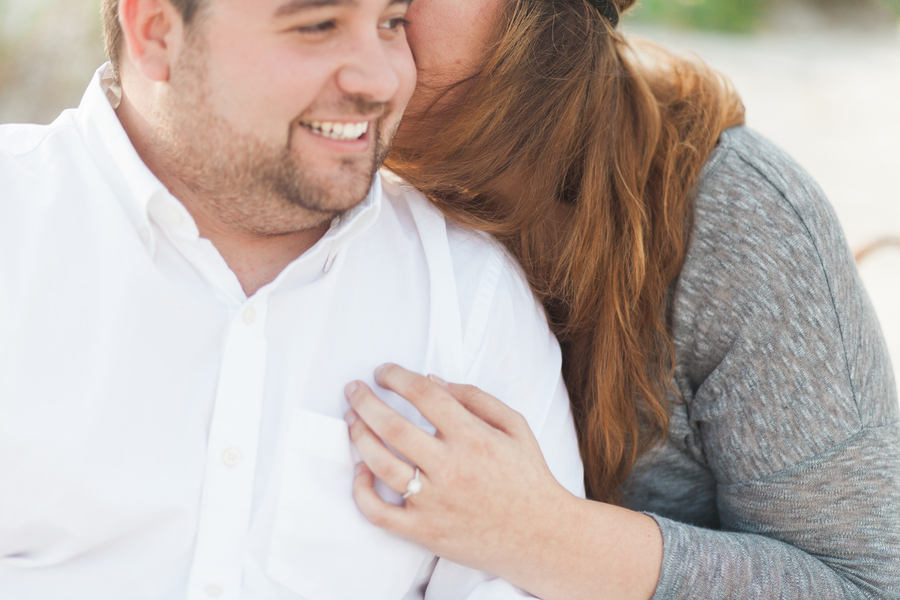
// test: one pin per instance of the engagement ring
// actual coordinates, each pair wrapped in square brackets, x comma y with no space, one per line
[414,486]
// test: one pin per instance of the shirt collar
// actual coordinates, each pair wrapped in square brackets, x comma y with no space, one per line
[352,223]
[142,194]
[130,180]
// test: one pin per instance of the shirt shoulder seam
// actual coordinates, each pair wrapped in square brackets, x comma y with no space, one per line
[481,307]
[715,160]
[780,472]
[784,196]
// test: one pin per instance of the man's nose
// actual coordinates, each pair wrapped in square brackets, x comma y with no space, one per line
[371,70]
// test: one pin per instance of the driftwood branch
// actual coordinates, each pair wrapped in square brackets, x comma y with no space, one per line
[885,242]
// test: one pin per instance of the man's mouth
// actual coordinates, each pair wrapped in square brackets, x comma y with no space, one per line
[337,131]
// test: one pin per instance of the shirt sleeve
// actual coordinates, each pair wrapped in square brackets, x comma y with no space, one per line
[790,398]
[512,355]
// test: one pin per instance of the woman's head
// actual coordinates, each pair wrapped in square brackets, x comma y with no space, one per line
[452,40]
[579,152]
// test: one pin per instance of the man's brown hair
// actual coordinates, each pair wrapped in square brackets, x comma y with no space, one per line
[112,30]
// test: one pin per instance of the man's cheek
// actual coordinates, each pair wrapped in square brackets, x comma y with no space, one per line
[407,77]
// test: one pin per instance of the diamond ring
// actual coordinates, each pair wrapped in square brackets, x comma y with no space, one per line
[414,486]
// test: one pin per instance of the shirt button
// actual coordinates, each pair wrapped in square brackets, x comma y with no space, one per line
[145,235]
[173,216]
[231,457]
[249,315]
[213,591]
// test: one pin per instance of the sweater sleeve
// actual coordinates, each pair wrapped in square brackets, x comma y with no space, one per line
[787,396]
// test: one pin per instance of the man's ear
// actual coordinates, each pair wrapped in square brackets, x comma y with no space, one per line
[154,33]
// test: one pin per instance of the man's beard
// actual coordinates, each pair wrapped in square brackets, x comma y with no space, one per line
[250,185]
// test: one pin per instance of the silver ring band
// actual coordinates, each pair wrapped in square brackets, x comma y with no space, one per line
[414,486]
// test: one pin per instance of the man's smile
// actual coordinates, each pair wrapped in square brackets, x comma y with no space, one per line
[337,131]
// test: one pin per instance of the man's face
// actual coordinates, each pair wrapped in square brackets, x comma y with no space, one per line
[280,111]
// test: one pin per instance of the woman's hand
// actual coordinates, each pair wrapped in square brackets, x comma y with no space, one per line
[488,499]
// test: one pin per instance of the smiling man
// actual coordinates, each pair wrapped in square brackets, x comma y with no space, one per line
[265,119]
[193,264]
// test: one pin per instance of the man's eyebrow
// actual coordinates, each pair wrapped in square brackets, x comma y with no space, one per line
[295,6]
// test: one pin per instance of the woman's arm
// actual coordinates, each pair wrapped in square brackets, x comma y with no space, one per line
[788,409]
[488,500]
[788,405]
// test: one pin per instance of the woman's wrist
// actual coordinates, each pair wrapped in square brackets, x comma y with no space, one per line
[539,558]
[587,550]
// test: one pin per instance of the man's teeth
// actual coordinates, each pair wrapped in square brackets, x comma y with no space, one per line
[338,131]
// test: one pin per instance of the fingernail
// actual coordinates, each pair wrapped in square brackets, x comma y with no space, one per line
[380,370]
[438,380]
[351,387]
[350,416]
[360,467]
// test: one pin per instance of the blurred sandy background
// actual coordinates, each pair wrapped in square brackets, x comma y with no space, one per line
[819,77]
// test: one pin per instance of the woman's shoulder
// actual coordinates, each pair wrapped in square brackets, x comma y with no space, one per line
[757,216]
[741,148]
[762,234]
[753,186]
[760,219]
[769,305]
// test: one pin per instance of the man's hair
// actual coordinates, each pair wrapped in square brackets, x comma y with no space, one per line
[112,30]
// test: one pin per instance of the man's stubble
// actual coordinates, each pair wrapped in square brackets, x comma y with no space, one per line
[257,188]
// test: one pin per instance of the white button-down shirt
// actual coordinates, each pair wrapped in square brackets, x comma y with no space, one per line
[164,436]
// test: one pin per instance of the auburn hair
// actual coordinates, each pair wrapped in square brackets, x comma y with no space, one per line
[580,152]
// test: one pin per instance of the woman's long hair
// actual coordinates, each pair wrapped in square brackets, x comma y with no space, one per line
[580,153]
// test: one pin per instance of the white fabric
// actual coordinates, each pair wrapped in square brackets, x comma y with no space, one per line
[162,436]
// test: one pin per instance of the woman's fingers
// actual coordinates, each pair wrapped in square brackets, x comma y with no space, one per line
[486,493]
[411,441]
[487,408]
[431,399]
[378,458]
[380,513]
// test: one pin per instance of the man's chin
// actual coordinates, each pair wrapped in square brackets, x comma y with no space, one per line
[333,191]
[331,183]
[335,185]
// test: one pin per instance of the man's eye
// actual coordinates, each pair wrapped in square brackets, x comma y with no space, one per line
[317,28]
[394,24]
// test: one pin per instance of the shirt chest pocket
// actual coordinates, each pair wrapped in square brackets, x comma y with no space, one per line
[322,546]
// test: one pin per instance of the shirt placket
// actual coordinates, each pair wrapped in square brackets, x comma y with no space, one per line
[227,496]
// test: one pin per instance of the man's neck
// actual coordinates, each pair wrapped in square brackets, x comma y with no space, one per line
[255,260]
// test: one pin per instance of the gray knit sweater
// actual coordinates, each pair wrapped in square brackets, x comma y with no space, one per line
[781,474]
